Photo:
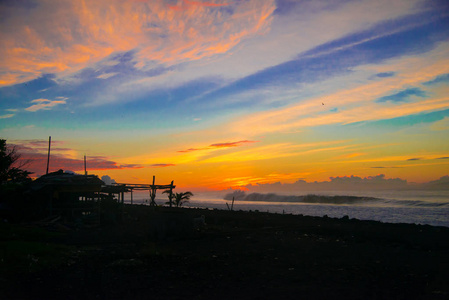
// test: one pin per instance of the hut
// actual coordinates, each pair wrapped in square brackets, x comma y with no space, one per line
[68,194]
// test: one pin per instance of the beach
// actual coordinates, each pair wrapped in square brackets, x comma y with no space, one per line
[401,206]
[165,253]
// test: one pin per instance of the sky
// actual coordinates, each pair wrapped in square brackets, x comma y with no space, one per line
[222,94]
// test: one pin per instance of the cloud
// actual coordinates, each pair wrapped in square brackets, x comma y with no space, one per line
[106,75]
[444,157]
[66,38]
[439,79]
[386,167]
[403,95]
[378,179]
[107,180]
[442,183]
[441,124]
[102,163]
[191,149]
[349,183]
[356,103]
[44,104]
[272,151]
[162,165]
[38,162]
[340,183]
[38,143]
[415,158]
[7,116]
[62,158]
[42,146]
[231,144]
[319,23]
[385,74]
[219,145]
[185,3]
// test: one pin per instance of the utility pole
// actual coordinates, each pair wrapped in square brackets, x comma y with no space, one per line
[85,168]
[48,157]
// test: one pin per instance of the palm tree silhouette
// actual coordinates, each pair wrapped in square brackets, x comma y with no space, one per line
[179,198]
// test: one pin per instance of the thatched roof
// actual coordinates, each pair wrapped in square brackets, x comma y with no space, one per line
[68,182]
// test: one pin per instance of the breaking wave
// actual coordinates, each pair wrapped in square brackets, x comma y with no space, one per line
[326,199]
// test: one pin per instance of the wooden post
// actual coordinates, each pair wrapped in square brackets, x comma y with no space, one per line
[153,193]
[48,157]
[131,196]
[171,194]
[153,190]
[85,167]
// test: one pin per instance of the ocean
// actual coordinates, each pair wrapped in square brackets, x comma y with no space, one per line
[407,206]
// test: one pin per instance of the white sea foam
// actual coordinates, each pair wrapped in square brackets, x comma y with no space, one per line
[419,207]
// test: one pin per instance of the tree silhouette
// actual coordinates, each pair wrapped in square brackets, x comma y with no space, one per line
[11,165]
[179,198]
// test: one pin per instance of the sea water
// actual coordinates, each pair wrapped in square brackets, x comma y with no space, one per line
[407,206]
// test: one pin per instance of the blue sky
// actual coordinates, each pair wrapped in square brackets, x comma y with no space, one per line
[365,82]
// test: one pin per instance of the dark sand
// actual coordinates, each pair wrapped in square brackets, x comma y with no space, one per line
[238,255]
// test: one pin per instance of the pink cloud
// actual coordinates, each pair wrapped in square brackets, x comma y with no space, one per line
[37,161]
[66,38]
[162,165]
[44,104]
[40,146]
[186,3]
[219,145]
[191,149]
[199,3]
[231,144]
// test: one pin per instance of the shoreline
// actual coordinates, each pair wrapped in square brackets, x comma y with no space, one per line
[432,209]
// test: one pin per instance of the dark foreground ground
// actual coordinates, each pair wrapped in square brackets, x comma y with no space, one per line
[160,254]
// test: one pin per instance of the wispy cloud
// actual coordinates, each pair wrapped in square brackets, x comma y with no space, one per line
[107,75]
[358,102]
[272,151]
[392,167]
[162,165]
[441,125]
[403,95]
[44,104]
[439,79]
[385,74]
[12,113]
[219,145]
[186,3]
[7,116]
[38,162]
[65,38]
[63,157]
[231,144]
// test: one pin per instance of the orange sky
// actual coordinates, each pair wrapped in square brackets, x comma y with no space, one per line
[217,94]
